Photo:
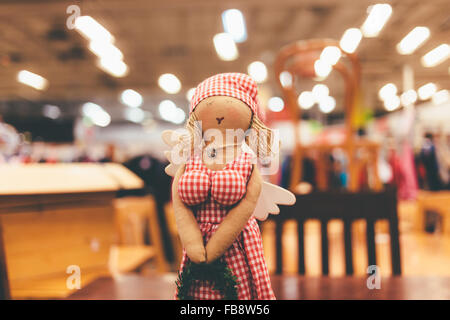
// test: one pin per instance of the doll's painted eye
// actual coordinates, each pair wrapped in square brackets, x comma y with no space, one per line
[211,152]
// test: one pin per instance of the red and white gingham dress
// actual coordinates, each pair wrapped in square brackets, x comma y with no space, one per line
[211,193]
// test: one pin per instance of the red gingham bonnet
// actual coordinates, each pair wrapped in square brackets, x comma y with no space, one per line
[236,85]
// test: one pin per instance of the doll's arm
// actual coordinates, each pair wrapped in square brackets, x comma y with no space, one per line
[188,229]
[235,220]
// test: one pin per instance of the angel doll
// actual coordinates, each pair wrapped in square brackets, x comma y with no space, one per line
[218,191]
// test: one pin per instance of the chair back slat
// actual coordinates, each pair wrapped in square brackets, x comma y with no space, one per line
[348,207]
[324,246]
[278,247]
[370,240]
[348,247]
[301,247]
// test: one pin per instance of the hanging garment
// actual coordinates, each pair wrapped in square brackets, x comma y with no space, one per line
[429,159]
[404,176]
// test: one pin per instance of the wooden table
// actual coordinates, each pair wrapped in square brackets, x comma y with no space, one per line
[285,287]
[53,216]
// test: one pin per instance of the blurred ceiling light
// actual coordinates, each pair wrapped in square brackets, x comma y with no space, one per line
[350,40]
[225,47]
[179,116]
[169,83]
[92,30]
[32,79]
[96,114]
[413,40]
[392,103]
[234,24]
[52,112]
[387,91]
[440,97]
[275,104]
[114,67]
[166,109]
[286,79]
[426,91]
[258,71]
[379,14]
[319,91]
[170,112]
[327,104]
[331,55]
[322,68]
[135,115]
[436,56]
[408,97]
[131,98]
[190,94]
[306,100]
[105,49]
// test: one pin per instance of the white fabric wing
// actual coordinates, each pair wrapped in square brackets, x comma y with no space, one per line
[270,197]
[177,146]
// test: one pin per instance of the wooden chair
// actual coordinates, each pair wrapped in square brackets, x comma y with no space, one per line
[348,207]
[134,217]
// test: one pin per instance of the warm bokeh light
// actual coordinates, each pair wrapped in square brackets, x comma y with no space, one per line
[258,71]
[408,98]
[169,111]
[286,79]
[413,40]
[225,47]
[350,40]
[135,115]
[391,102]
[387,91]
[306,100]
[169,83]
[96,114]
[92,30]
[189,94]
[322,69]
[275,104]
[379,14]
[116,68]
[436,56]
[234,24]
[426,91]
[327,104]
[131,98]
[331,55]
[32,79]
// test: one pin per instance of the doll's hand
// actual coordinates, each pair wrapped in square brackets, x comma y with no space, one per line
[196,253]
[187,225]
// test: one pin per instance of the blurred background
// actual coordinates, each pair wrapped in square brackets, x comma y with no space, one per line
[358,90]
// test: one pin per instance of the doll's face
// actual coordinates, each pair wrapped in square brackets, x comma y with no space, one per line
[220,112]
[218,115]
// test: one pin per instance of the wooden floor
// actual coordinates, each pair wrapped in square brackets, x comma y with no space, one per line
[422,254]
